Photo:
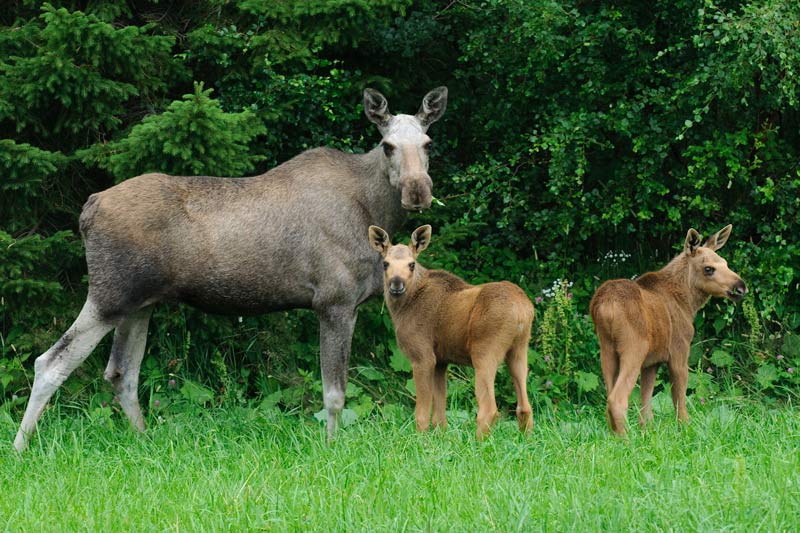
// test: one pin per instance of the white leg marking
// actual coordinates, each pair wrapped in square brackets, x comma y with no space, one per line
[57,363]
[123,367]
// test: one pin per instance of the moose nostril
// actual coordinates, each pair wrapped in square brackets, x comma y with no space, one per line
[741,288]
[396,285]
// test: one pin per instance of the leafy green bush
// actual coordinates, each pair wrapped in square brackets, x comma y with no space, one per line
[581,141]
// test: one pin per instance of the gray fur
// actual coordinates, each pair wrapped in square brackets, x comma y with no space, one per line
[290,238]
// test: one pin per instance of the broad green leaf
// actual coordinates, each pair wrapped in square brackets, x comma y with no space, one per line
[196,393]
[721,358]
[766,375]
[791,345]
[398,361]
[587,381]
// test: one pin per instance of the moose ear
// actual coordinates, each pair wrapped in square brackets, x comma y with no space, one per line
[379,239]
[433,106]
[718,240]
[377,109]
[693,240]
[420,239]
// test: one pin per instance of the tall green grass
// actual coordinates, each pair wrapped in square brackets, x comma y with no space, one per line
[736,467]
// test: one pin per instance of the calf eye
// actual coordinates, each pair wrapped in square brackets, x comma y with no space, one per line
[385,265]
[388,149]
[411,266]
[427,146]
[709,271]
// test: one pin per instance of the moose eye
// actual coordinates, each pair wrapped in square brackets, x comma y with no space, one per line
[709,271]
[411,266]
[427,146]
[385,265]
[388,149]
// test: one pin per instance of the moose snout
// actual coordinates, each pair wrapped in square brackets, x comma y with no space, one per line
[416,193]
[738,291]
[396,286]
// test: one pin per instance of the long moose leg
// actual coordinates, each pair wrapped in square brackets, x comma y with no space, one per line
[617,410]
[648,381]
[517,360]
[609,361]
[486,362]
[440,396]
[423,369]
[335,336]
[56,364]
[122,371]
[679,376]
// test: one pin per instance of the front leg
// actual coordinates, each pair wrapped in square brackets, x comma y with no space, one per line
[679,376]
[440,396]
[336,325]
[423,368]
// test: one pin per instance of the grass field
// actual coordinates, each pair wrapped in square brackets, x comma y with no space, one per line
[735,468]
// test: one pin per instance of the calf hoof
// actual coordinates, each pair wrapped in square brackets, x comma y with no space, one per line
[485,425]
[525,423]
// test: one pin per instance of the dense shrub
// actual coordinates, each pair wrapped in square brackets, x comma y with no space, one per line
[582,140]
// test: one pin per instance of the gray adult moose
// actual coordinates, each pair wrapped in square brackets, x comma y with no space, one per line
[290,238]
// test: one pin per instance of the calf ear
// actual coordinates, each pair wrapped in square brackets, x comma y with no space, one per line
[420,239]
[692,243]
[377,109]
[379,239]
[433,106]
[718,240]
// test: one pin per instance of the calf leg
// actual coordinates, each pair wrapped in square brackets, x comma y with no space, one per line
[517,360]
[424,369]
[486,363]
[440,396]
[617,410]
[609,362]
[648,381]
[56,364]
[679,376]
[122,371]
[335,335]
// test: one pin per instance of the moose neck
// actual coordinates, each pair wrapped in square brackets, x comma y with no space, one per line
[382,199]
[677,272]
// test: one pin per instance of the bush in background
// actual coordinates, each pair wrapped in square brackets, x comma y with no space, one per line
[582,140]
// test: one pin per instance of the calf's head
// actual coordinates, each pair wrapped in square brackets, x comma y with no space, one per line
[708,272]
[405,144]
[399,260]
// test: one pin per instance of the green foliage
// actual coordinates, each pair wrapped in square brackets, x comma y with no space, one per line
[581,141]
[29,174]
[565,361]
[77,73]
[193,136]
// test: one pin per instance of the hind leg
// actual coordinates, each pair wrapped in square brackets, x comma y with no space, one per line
[485,359]
[517,360]
[617,409]
[56,364]
[648,381]
[609,363]
[122,371]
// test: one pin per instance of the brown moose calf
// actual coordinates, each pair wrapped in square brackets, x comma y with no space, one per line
[439,320]
[643,323]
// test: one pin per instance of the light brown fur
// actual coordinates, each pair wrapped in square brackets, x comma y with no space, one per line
[440,320]
[641,324]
